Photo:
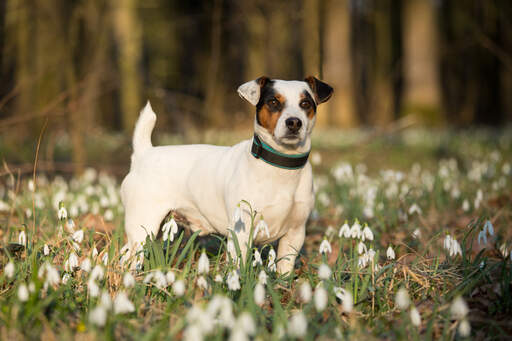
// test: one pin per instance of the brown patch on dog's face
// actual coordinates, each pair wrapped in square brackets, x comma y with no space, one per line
[307,104]
[269,107]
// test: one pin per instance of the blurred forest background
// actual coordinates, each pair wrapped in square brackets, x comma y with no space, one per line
[81,68]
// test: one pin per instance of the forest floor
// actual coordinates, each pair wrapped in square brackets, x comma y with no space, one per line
[410,239]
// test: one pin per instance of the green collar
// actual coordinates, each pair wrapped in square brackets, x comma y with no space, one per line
[263,151]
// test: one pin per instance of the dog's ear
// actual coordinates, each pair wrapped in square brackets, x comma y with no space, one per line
[322,91]
[251,91]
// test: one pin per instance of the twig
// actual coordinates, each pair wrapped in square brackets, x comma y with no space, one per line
[34,178]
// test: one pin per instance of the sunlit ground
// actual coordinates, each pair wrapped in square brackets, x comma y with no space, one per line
[425,214]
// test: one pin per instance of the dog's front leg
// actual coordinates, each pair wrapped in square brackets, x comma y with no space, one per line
[289,247]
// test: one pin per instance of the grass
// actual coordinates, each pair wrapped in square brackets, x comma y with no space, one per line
[411,191]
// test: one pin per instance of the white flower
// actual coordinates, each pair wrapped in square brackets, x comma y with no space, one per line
[415,317]
[482,238]
[22,238]
[325,247]
[361,248]
[232,250]
[23,292]
[261,227]
[259,294]
[257,258]
[489,228]
[159,279]
[171,277]
[355,230]
[455,248]
[97,272]
[320,298]
[504,250]
[179,288]
[402,300]
[414,209]
[245,322]
[367,233]
[9,270]
[324,272]
[203,265]
[233,281]
[169,230]
[78,236]
[447,244]
[104,258]
[390,253]
[416,234]
[46,250]
[52,275]
[298,325]
[305,292]
[237,215]
[86,265]
[202,283]
[71,263]
[105,300]
[31,186]
[464,328]
[272,260]
[98,316]
[32,287]
[148,278]
[63,213]
[262,277]
[128,280]
[109,215]
[65,278]
[459,308]
[94,253]
[218,278]
[347,302]
[465,205]
[122,304]
[344,231]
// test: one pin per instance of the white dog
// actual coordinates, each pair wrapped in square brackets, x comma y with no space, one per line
[204,183]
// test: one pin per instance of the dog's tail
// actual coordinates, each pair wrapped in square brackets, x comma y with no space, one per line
[143,129]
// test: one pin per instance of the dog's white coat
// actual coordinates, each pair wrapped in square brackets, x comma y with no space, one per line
[205,183]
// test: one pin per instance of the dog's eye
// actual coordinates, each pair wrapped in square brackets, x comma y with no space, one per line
[273,102]
[305,104]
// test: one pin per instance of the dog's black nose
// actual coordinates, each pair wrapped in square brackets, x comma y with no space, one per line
[294,124]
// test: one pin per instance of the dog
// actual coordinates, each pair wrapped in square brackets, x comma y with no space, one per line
[204,184]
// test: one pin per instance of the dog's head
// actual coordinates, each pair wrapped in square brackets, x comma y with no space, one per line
[286,109]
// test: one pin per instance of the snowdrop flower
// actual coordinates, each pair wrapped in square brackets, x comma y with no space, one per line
[272,260]
[52,275]
[63,213]
[31,186]
[9,270]
[97,273]
[459,308]
[22,238]
[104,258]
[482,238]
[46,250]
[361,248]
[414,209]
[23,293]
[363,260]
[86,265]
[367,233]
[355,230]
[455,248]
[170,229]
[447,244]
[237,215]
[233,281]
[94,253]
[179,288]
[159,280]
[109,215]
[218,279]
[232,250]
[298,325]
[464,328]
[78,236]
[488,228]
[259,294]
[128,280]
[465,205]
[416,234]
[122,304]
[325,247]
[105,300]
[202,283]
[305,292]
[344,231]
[504,250]
[148,278]
[402,300]
[65,278]
[32,287]
[261,227]
[320,298]
[98,316]
[170,276]
[262,277]
[390,253]
[324,272]
[71,263]
[347,301]
[415,317]
[257,258]
[203,265]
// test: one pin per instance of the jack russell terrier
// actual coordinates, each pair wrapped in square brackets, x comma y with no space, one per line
[204,183]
